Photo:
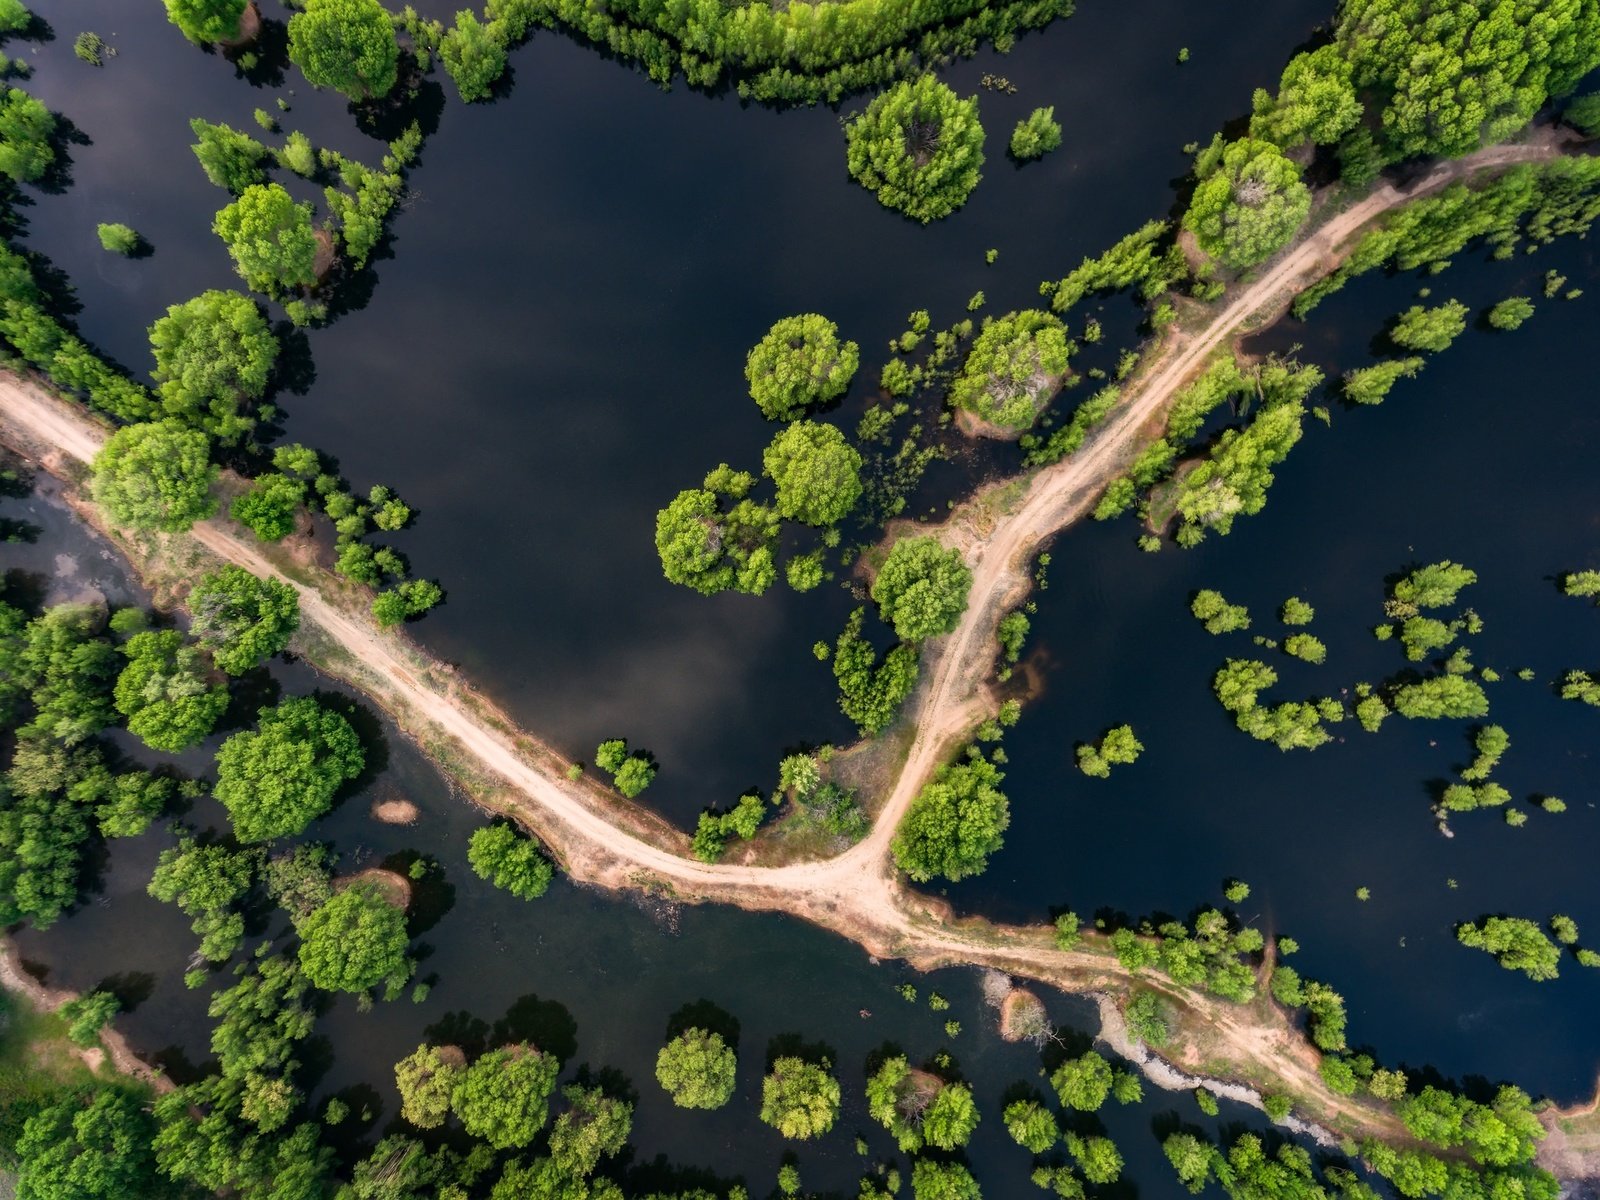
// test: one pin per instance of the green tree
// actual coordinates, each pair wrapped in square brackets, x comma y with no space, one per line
[230,159]
[88,1146]
[507,860]
[1031,1125]
[214,355]
[426,1078]
[14,16]
[1510,313]
[474,54]
[1119,746]
[951,1117]
[1371,385]
[818,473]
[355,941]
[1583,113]
[942,1181]
[593,1127]
[1517,944]
[1015,366]
[240,619]
[206,882]
[697,1069]
[918,147]
[270,237]
[1191,1158]
[87,1015]
[1442,696]
[156,475]
[715,539]
[870,693]
[800,362]
[922,588]
[1431,329]
[270,506]
[1433,586]
[1097,1158]
[165,693]
[799,1099]
[118,238]
[206,21]
[504,1096]
[347,45]
[1249,205]
[27,130]
[1316,101]
[1083,1083]
[1217,614]
[1306,647]
[1035,135]
[954,824]
[276,779]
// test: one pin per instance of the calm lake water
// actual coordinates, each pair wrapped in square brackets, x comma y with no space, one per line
[556,347]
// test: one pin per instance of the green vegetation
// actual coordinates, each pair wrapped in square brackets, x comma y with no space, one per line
[921,589]
[817,471]
[347,45]
[1430,329]
[270,237]
[631,773]
[88,1015]
[800,362]
[1015,366]
[240,619]
[1146,259]
[118,238]
[1118,746]
[355,941]
[919,148]
[269,506]
[27,131]
[1031,1125]
[425,1079]
[205,21]
[1218,616]
[1371,385]
[920,1109]
[1035,135]
[932,1180]
[508,860]
[1517,944]
[474,54]
[714,829]
[230,159]
[214,356]
[91,1145]
[799,1099]
[697,1069]
[1510,313]
[1083,1083]
[1249,204]
[1306,647]
[156,475]
[206,882]
[1097,1157]
[1316,102]
[165,692]
[870,692]
[504,1096]
[1296,611]
[276,779]
[716,539]
[954,824]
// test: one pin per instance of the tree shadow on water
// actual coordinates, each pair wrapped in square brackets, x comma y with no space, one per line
[703,1014]
[792,1045]
[460,1029]
[544,1023]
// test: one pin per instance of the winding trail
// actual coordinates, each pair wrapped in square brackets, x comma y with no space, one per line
[855,893]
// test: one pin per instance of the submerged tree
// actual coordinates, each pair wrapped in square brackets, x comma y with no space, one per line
[919,147]
[716,539]
[799,362]
[214,355]
[27,130]
[276,779]
[270,237]
[817,471]
[799,1099]
[508,860]
[504,1096]
[355,941]
[697,1069]
[474,54]
[347,45]
[954,824]
[1035,135]
[1250,202]
[230,159]
[205,21]
[1015,366]
[164,692]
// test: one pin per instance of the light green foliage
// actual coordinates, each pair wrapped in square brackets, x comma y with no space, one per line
[504,1096]
[1306,647]
[942,1181]
[1217,614]
[1510,313]
[298,155]
[474,54]
[347,45]
[1583,113]
[156,475]
[1564,929]
[206,882]
[14,17]
[1031,1125]
[231,159]
[1316,101]
[1015,366]
[1490,743]
[118,238]
[697,1069]
[919,147]
[715,539]
[508,860]
[93,1146]
[1141,260]
[1119,745]
[1502,1133]
[276,779]
[1430,329]
[240,619]
[1387,1085]
[1442,696]
[269,506]
[271,240]
[800,362]
[1126,1088]
[1147,1019]
[164,692]
[1581,686]
[1371,385]
[1584,584]
[206,21]
[632,773]
[1035,135]
[425,1079]
[594,1126]
[1249,204]
[1067,935]
[1433,586]
[714,829]
[1097,1157]
[954,824]
[817,471]
[1292,725]
[799,1099]
[1517,943]
[26,131]
[1296,611]
[1083,1083]
[1011,632]
[1191,1158]
[1069,438]
[1459,797]
[922,588]
[354,941]
[214,354]
[87,1015]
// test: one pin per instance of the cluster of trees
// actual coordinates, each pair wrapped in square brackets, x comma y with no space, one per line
[630,772]
[919,1108]
[1214,956]
[508,860]
[1517,944]
[918,147]
[1249,203]
[921,589]
[503,1097]
[956,822]
[1069,438]
[27,136]
[1117,746]
[1016,364]
[1147,259]
[714,829]
[715,538]
[799,363]
[1431,329]
[346,45]
[1035,135]
[214,356]
[1290,725]
[871,692]
[1212,609]
[156,475]
[1371,385]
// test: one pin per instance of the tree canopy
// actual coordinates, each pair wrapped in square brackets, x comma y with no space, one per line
[27,128]
[716,539]
[954,824]
[355,941]
[1250,202]
[504,1096]
[508,860]
[165,693]
[347,45]
[214,355]
[1316,101]
[697,1069]
[230,159]
[817,471]
[1430,329]
[922,588]
[425,1079]
[1035,135]
[270,237]
[919,147]
[799,1099]
[1083,1083]
[798,363]
[474,54]
[276,779]
[1016,364]
[156,475]
[93,1146]
[240,619]
[206,21]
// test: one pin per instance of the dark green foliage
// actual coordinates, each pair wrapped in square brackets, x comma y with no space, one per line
[165,693]
[270,238]
[214,355]
[206,882]
[355,941]
[87,1015]
[67,669]
[276,779]
[715,539]
[26,132]
[507,860]
[242,620]
[156,475]
[922,588]
[1070,437]
[1316,101]
[954,824]
[1035,135]
[270,506]
[1518,945]
[800,362]
[231,159]
[206,21]
[818,473]
[697,1069]
[870,693]
[1015,366]
[1250,202]
[93,1146]
[474,55]
[1583,113]
[347,45]
[919,147]
[1147,1019]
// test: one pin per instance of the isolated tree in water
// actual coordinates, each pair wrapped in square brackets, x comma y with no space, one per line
[800,362]
[919,148]
[347,45]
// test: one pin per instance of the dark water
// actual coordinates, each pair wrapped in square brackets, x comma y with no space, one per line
[557,345]
[1486,458]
